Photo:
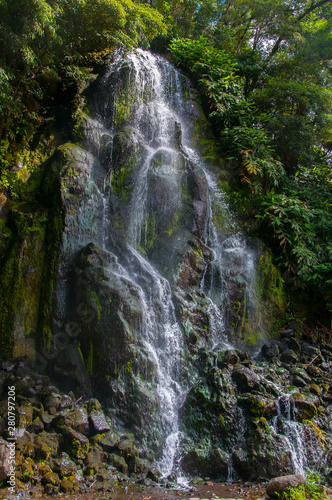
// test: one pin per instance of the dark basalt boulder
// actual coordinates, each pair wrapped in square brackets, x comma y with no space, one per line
[246,379]
[214,464]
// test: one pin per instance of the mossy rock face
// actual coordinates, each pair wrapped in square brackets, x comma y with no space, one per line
[199,462]
[108,312]
[78,420]
[69,484]
[27,470]
[118,462]
[264,455]
[245,379]
[47,445]
[252,317]
[258,406]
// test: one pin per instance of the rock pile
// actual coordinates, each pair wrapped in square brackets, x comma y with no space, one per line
[64,444]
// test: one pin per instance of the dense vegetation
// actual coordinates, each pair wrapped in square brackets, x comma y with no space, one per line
[263,69]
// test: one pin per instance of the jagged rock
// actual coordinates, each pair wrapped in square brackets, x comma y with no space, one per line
[126,448]
[51,478]
[78,420]
[229,357]
[27,470]
[52,402]
[305,410]
[98,422]
[92,461]
[48,420]
[93,404]
[106,441]
[67,467]
[315,389]
[47,445]
[300,372]
[66,402]
[289,357]
[271,350]
[118,462]
[214,465]
[36,426]
[279,485]
[154,474]
[258,406]
[137,466]
[76,444]
[246,379]
[69,484]
[298,381]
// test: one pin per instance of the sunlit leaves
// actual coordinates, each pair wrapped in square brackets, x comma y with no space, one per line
[235,118]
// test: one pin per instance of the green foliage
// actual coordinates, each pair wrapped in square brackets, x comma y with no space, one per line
[240,126]
[264,70]
[299,222]
[308,491]
[43,43]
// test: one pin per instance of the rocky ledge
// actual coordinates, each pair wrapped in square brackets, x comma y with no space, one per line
[63,443]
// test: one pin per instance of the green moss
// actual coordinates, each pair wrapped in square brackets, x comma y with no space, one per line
[260,310]
[79,450]
[319,433]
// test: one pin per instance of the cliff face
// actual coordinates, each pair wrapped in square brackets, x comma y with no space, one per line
[131,280]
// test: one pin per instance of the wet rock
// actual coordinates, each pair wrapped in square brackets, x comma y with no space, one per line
[36,426]
[315,389]
[52,403]
[271,350]
[76,444]
[279,485]
[78,420]
[258,406]
[245,379]
[8,366]
[118,462]
[154,474]
[289,357]
[26,470]
[106,441]
[228,357]
[26,415]
[298,381]
[66,466]
[98,422]
[69,484]
[48,420]
[300,372]
[92,461]
[66,402]
[305,410]
[93,404]
[242,463]
[51,478]
[47,445]
[137,466]
[213,464]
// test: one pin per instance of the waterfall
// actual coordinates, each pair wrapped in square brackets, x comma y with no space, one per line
[169,244]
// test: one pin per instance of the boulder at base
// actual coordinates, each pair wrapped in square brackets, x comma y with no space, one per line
[279,485]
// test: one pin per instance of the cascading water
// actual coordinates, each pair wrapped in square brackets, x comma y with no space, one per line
[173,262]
